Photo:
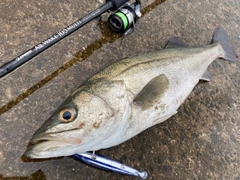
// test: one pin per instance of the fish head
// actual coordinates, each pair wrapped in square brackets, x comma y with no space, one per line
[84,122]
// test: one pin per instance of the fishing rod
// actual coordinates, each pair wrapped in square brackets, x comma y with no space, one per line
[121,21]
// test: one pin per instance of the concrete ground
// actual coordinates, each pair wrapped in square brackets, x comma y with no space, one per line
[202,141]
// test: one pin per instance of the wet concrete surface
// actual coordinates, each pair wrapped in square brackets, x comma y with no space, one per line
[202,141]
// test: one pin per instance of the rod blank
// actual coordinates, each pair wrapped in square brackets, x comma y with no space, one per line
[23,58]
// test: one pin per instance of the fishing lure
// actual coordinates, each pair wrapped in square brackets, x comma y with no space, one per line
[105,163]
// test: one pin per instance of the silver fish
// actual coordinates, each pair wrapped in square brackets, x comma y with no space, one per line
[126,98]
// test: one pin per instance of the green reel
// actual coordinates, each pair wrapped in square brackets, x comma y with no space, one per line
[124,19]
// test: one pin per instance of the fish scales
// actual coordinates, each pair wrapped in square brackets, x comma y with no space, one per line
[141,65]
[126,98]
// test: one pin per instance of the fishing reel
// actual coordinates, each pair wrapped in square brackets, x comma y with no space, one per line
[124,19]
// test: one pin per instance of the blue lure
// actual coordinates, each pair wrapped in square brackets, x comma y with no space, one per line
[105,163]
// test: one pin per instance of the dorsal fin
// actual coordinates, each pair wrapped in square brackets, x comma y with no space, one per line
[153,91]
[175,42]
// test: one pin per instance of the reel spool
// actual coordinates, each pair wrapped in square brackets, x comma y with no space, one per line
[124,19]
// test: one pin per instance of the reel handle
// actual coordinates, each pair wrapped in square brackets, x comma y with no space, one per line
[117,4]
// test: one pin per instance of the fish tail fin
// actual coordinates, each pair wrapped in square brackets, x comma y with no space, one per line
[220,36]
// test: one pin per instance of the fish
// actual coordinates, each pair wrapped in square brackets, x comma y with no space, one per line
[105,163]
[127,97]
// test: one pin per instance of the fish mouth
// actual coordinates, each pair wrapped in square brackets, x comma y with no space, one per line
[48,145]
[32,143]
[43,149]
[41,140]
[54,136]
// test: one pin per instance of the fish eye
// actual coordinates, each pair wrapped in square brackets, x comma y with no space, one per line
[67,114]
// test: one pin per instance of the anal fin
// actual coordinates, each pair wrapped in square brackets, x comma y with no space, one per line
[206,76]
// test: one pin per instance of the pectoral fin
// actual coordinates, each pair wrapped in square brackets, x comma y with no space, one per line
[153,92]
